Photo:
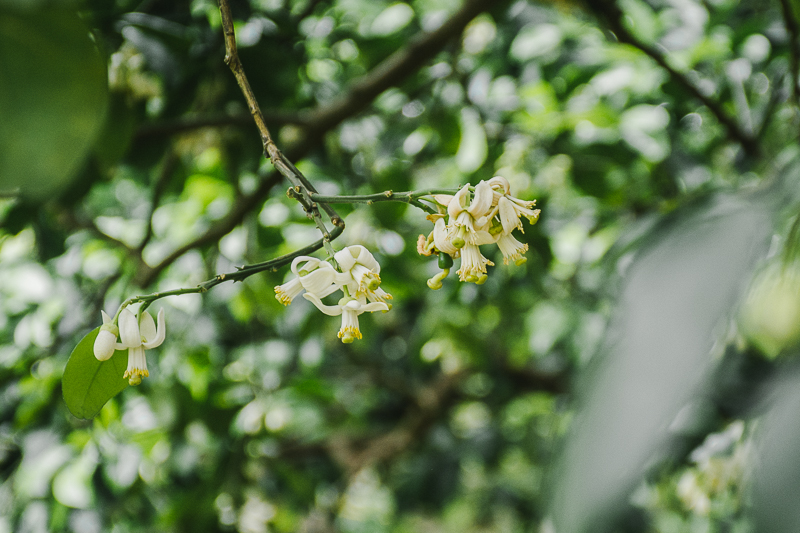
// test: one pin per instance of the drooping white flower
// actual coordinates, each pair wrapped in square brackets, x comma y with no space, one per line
[360,270]
[358,277]
[312,275]
[511,249]
[138,336]
[464,214]
[510,209]
[349,307]
[473,265]
[488,216]
[106,339]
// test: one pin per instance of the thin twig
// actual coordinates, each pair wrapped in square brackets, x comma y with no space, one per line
[279,161]
[239,275]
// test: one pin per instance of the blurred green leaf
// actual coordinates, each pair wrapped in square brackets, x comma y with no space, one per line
[776,487]
[53,92]
[677,293]
[88,383]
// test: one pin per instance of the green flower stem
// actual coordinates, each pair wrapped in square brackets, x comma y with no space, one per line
[409,197]
[239,275]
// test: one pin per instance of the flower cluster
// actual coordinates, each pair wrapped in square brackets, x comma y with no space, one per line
[486,217]
[357,276]
[135,335]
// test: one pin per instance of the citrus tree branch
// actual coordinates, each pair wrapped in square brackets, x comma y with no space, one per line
[317,122]
[279,161]
[613,15]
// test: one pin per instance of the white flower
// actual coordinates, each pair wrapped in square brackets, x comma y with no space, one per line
[138,336]
[473,265]
[488,217]
[106,339]
[361,272]
[358,278]
[312,275]
[463,228]
[511,209]
[511,248]
[349,308]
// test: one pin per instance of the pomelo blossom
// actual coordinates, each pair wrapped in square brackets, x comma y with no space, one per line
[311,274]
[488,216]
[136,335]
[357,276]
[349,307]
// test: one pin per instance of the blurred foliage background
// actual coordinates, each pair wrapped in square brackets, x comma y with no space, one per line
[638,373]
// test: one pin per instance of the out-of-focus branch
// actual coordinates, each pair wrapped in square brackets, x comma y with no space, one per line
[390,72]
[430,403]
[394,69]
[613,15]
[167,168]
[183,124]
[146,275]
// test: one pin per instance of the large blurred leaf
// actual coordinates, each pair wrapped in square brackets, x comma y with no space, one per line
[777,479]
[88,383]
[675,298]
[53,89]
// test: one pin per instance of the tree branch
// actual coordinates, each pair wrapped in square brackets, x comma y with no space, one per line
[393,70]
[613,16]
[166,128]
[390,72]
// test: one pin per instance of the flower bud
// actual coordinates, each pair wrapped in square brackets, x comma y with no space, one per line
[104,344]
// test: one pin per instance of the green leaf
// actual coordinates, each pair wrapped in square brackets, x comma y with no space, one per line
[678,294]
[88,383]
[53,97]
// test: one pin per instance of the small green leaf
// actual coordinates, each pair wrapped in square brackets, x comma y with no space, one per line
[88,383]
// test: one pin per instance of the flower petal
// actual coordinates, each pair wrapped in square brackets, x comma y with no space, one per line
[330,310]
[500,182]
[319,280]
[345,259]
[309,263]
[157,335]
[482,201]
[509,216]
[459,202]
[147,326]
[441,240]
[128,330]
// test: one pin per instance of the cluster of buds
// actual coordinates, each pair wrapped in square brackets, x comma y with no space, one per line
[357,276]
[135,335]
[466,221]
